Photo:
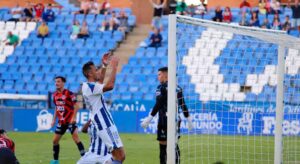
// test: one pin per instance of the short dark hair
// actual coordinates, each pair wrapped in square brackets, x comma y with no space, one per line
[86,68]
[62,78]
[163,69]
[2,131]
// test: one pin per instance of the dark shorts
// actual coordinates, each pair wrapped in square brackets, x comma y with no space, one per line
[162,132]
[61,129]
[7,156]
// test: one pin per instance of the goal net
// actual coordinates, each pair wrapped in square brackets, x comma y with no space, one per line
[241,86]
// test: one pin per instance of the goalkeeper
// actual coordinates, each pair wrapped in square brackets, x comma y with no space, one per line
[161,107]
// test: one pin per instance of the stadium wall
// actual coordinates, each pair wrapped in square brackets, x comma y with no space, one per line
[233,119]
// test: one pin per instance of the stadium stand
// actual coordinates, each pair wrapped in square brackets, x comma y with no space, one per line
[31,66]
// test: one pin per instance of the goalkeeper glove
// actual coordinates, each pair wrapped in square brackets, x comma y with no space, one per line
[146,121]
[190,123]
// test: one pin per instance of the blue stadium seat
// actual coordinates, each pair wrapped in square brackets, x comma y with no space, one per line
[24,68]
[149,96]
[57,69]
[126,69]
[53,60]
[74,61]
[68,44]
[82,52]
[13,68]
[32,60]
[35,68]
[3,67]
[79,43]
[64,60]
[41,86]
[11,59]
[22,59]
[137,96]
[49,78]
[71,52]
[133,88]
[72,78]
[6,76]
[43,60]
[133,61]
[154,62]
[116,96]
[90,43]
[136,70]
[77,69]
[126,96]
[148,70]
[93,52]
[8,85]
[46,68]
[19,86]
[40,51]
[74,87]
[110,44]
[68,69]
[57,43]
[26,43]
[39,77]
[120,78]
[144,62]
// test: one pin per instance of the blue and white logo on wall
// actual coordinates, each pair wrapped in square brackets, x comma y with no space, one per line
[44,119]
[245,123]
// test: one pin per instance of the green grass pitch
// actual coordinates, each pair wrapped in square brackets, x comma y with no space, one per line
[36,148]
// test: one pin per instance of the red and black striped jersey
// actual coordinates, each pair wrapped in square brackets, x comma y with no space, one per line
[7,143]
[64,102]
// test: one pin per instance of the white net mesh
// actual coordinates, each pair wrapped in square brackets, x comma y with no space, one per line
[229,83]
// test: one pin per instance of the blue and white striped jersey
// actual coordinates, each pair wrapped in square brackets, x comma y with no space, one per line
[97,146]
[93,96]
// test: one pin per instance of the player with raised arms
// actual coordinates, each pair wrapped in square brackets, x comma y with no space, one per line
[101,119]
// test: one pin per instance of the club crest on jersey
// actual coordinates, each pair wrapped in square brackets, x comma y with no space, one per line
[157,92]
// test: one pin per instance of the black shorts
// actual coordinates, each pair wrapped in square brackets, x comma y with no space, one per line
[162,132]
[61,129]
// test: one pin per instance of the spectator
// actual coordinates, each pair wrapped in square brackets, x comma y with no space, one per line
[157,14]
[227,16]
[244,6]
[244,21]
[28,13]
[254,19]
[84,7]
[94,7]
[49,15]
[112,24]
[39,10]
[296,14]
[275,7]
[43,31]
[75,30]
[201,9]
[218,15]
[84,31]
[276,25]
[123,22]
[172,6]
[262,7]
[266,24]
[105,7]
[13,40]
[286,26]
[181,7]
[16,13]
[155,39]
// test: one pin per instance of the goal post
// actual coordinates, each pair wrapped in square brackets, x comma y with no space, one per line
[196,55]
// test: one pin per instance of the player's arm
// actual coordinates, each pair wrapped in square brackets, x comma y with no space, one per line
[160,100]
[86,127]
[76,108]
[102,71]
[54,118]
[111,82]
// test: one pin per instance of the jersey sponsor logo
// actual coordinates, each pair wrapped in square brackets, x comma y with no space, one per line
[44,119]
[3,144]
[157,93]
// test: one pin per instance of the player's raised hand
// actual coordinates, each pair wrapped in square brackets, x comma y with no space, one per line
[105,59]
[146,121]
[190,123]
[114,62]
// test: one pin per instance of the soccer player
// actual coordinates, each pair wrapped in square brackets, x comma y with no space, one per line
[66,109]
[161,108]
[98,152]
[101,119]
[7,149]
